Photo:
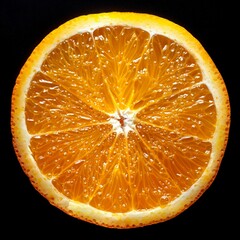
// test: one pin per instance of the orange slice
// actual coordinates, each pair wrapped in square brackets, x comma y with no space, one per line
[120,119]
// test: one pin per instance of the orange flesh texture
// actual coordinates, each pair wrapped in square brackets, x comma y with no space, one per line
[91,75]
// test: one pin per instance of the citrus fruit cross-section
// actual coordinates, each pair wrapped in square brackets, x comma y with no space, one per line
[120,119]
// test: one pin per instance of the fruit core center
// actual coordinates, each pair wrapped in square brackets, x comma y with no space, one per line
[123,121]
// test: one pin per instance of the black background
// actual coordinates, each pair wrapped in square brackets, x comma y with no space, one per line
[23,25]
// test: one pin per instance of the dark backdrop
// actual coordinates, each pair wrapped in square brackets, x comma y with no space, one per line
[23,25]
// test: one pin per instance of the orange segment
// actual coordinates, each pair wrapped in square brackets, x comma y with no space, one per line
[190,112]
[183,157]
[169,66]
[53,107]
[120,49]
[151,182]
[74,64]
[56,152]
[120,119]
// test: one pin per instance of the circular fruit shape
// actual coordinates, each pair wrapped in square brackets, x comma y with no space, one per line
[120,119]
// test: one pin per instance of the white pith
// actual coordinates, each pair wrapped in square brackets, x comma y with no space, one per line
[123,121]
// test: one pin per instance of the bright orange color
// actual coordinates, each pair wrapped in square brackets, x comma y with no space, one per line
[120,119]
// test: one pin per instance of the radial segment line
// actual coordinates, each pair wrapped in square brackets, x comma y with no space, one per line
[132,189]
[87,152]
[149,103]
[171,130]
[137,67]
[104,170]
[100,64]
[155,156]
[69,129]
[74,94]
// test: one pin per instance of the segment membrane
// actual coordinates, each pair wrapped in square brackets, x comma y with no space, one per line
[51,107]
[190,112]
[56,152]
[120,119]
